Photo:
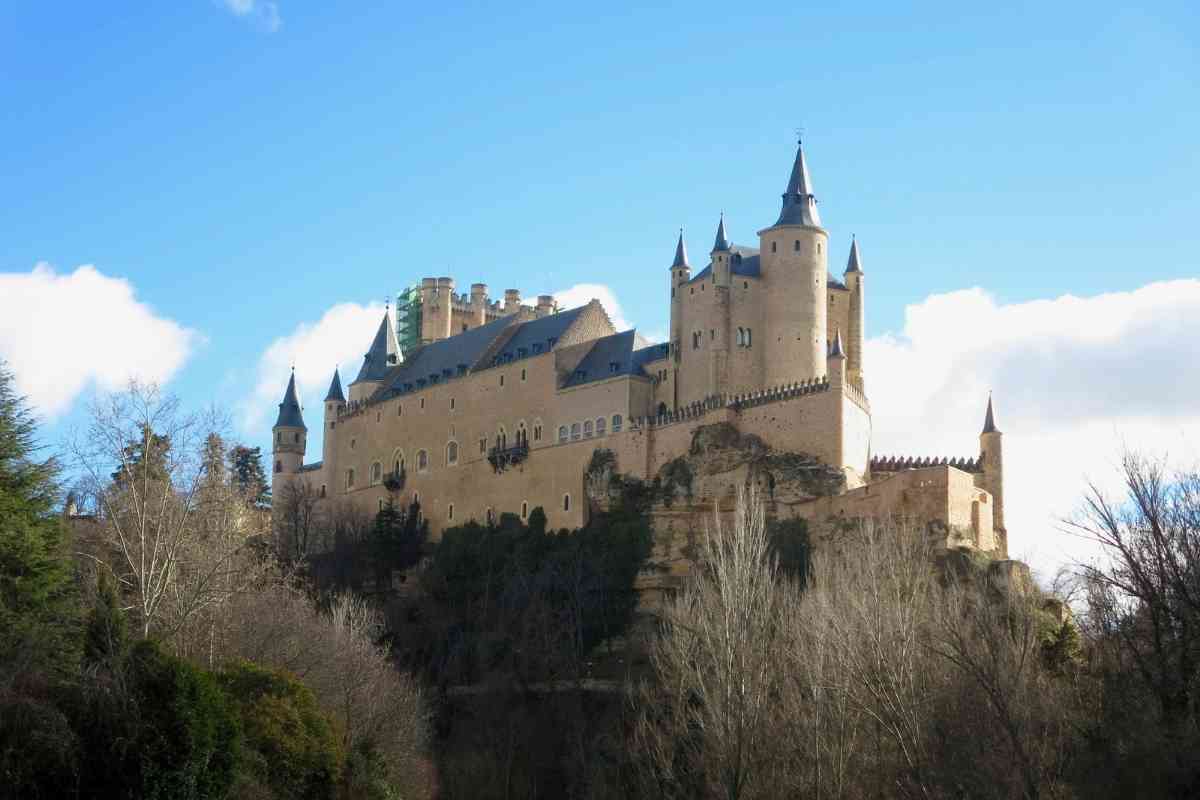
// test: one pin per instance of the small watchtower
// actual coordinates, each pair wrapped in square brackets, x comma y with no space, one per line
[289,437]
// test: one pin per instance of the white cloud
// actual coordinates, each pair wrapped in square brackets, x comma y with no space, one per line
[1073,379]
[581,293]
[340,337]
[61,333]
[263,13]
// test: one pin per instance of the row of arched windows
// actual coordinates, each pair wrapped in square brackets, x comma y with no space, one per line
[588,429]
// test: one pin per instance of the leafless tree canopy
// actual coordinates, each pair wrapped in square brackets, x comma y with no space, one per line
[889,675]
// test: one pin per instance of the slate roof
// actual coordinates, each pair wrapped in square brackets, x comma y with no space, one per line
[743,262]
[454,357]
[335,388]
[383,354]
[721,243]
[680,253]
[315,466]
[289,409]
[853,264]
[989,422]
[609,357]
[799,203]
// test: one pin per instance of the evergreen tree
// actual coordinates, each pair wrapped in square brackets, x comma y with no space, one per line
[249,476]
[37,599]
[106,637]
[145,457]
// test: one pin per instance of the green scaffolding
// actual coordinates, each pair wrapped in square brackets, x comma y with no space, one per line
[408,318]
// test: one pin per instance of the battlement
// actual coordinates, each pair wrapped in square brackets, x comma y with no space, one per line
[902,463]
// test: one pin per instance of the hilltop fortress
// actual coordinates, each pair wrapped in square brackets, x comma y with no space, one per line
[493,408]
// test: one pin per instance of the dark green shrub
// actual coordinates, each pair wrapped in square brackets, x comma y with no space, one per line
[289,745]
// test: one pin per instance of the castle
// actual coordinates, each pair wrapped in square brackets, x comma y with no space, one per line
[494,408]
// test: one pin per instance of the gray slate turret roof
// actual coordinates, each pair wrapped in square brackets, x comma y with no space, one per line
[680,253]
[721,244]
[853,264]
[335,389]
[383,355]
[836,350]
[799,203]
[743,261]
[989,421]
[289,409]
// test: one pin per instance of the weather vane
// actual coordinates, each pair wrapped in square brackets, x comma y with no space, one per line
[799,134]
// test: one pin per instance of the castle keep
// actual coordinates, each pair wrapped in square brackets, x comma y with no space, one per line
[499,407]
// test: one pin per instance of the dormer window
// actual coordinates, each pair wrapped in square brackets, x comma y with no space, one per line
[553,340]
[580,374]
[614,366]
[462,369]
[447,372]
[522,352]
[537,347]
[420,383]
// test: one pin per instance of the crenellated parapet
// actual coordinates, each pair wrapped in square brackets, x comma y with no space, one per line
[777,394]
[901,463]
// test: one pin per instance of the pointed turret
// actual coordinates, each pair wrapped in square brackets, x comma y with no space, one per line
[853,264]
[722,244]
[836,350]
[799,203]
[383,355]
[289,409]
[335,389]
[989,421]
[681,259]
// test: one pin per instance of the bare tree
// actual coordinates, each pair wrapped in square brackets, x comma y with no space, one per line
[299,524]
[174,531]
[710,723]
[1143,605]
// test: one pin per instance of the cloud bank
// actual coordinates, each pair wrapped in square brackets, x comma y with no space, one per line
[339,338]
[262,13]
[1074,379]
[61,333]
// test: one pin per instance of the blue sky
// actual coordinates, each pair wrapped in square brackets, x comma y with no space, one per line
[244,172]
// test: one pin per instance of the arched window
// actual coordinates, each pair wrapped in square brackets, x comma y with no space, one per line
[452,453]
[399,409]
[562,433]
[376,473]
[587,429]
[772,247]
[522,435]
[566,502]
[350,478]
[397,462]
[600,426]
[537,430]
[662,409]
[482,445]
[524,509]
[741,337]
[749,337]
[796,246]
[502,438]
[450,511]
[279,466]
[322,490]
[616,423]
[296,438]
[422,461]
[576,430]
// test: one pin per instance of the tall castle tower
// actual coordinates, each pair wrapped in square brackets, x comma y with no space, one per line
[681,273]
[991,457]
[289,438]
[794,254]
[853,278]
[335,401]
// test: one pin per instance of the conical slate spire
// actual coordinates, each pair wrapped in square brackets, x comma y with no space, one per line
[799,203]
[853,264]
[289,409]
[680,253]
[989,422]
[721,245]
[383,355]
[335,389]
[836,350]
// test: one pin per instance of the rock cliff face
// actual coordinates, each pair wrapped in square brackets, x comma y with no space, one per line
[686,493]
